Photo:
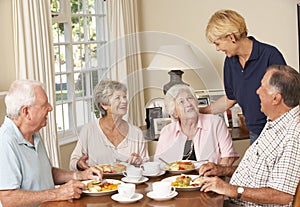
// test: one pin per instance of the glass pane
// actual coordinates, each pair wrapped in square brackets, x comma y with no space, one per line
[62,118]
[58,32]
[55,6]
[91,7]
[77,29]
[60,58]
[92,28]
[61,88]
[79,79]
[83,112]
[76,6]
[91,58]
[78,56]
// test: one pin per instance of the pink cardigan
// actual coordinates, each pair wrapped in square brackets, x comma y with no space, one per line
[212,141]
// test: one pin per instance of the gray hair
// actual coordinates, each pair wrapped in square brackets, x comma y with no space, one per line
[172,94]
[286,81]
[103,90]
[21,93]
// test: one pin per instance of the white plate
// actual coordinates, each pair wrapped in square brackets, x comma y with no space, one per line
[104,192]
[121,199]
[190,188]
[154,175]
[142,180]
[182,171]
[114,173]
[155,197]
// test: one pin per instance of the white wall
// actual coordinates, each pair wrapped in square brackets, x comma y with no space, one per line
[270,21]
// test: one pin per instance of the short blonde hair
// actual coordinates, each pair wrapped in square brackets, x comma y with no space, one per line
[225,22]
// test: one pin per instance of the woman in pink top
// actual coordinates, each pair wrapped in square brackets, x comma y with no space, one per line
[193,136]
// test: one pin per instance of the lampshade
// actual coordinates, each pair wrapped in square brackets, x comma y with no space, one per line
[174,58]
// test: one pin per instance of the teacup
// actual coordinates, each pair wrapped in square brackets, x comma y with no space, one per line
[162,189]
[133,173]
[126,190]
[151,168]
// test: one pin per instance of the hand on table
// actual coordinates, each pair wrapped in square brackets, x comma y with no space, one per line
[214,184]
[70,190]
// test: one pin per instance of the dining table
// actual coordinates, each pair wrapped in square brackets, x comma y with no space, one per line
[191,198]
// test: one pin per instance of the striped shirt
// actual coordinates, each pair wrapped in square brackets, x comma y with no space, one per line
[273,160]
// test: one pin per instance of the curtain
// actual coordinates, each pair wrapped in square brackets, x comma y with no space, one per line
[125,55]
[34,57]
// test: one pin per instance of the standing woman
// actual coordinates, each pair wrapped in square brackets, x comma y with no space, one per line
[245,65]
[110,138]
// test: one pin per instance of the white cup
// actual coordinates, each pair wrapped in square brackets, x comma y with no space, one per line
[133,173]
[151,168]
[126,190]
[162,189]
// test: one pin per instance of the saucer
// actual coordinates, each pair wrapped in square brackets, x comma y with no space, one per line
[141,180]
[154,175]
[158,198]
[121,199]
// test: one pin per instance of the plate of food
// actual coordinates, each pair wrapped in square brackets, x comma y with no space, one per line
[181,166]
[99,188]
[184,182]
[112,169]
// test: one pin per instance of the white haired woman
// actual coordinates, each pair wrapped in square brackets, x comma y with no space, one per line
[110,138]
[193,136]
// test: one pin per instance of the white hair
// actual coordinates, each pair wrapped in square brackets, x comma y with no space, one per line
[172,94]
[21,93]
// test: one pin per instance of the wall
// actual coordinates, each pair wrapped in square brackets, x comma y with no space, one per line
[270,21]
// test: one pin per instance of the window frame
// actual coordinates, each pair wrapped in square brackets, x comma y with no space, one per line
[102,37]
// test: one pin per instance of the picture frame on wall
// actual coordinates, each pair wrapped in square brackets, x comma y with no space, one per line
[203,101]
[159,123]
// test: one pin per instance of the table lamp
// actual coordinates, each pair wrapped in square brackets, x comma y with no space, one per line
[175,59]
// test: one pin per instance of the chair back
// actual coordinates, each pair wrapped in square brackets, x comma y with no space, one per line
[296,201]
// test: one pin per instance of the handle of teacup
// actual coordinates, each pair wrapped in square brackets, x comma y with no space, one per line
[173,188]
[125,173]
[142,167]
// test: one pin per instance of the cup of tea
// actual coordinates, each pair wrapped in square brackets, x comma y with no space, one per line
[133,173]
[126,190]
[151,168]
[162,189]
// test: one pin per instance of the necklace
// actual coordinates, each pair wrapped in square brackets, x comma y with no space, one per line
[190,152]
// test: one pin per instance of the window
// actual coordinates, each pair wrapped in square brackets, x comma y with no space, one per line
[79,32]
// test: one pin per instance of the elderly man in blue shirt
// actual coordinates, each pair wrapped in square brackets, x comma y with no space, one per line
[27,177]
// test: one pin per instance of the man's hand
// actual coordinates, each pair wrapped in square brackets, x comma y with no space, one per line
[211,169]
[92,173]
[71,190]
[216,185]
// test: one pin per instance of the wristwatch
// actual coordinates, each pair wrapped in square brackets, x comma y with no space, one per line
[240,191]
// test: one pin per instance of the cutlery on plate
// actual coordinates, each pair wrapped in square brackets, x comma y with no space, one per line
[164,161]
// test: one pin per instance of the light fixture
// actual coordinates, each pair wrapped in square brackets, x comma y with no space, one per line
[175,59]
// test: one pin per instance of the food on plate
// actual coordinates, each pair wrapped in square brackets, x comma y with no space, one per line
[185,181]
[181,165]
[108,168]
[96,186]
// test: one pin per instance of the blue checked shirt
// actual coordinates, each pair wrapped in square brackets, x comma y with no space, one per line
[273,160]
